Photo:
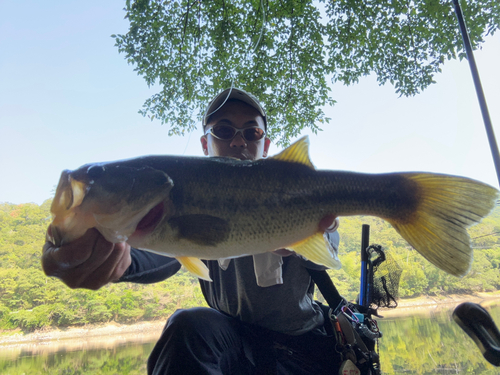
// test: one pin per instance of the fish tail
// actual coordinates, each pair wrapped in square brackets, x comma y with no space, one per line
[447,206]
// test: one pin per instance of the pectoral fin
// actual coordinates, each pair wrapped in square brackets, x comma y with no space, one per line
[196,267]
[314,248]
[201,229]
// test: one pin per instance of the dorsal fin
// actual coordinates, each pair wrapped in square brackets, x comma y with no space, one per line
[296,153]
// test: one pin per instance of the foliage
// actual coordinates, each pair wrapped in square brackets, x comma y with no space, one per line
[30,300]
[285,51]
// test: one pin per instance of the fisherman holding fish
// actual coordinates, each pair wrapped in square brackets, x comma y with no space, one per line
[228,219]
[262,318]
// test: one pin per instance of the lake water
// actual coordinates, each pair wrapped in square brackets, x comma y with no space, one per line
[424,341]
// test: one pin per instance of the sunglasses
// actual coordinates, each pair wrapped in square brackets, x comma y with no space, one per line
[227,133]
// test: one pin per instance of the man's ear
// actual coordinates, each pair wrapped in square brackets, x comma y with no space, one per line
[204,144]
[267,143]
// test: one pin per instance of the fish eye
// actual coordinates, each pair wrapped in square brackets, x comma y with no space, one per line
[95,171]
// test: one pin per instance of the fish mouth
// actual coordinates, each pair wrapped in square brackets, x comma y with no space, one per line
[242,157]
[149,222]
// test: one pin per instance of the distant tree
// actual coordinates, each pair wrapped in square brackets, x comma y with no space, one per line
[286,51]
[31,300]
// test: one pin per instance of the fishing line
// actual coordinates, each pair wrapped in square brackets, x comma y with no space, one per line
[187,143]
[485,235]
[251,50]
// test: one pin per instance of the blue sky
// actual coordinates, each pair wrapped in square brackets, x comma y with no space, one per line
[68,98]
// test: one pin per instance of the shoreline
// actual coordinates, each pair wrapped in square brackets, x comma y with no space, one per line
[428,305]
[109,335]
[15,344]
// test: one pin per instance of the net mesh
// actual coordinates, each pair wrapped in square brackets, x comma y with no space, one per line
[386,274]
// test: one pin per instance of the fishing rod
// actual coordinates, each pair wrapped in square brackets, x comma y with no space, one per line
[471,317]
[479,89]
[364,287]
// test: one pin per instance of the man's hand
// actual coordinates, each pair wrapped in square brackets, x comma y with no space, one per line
[328,224]
[88,262]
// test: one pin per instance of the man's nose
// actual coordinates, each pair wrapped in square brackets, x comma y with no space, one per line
[238,141]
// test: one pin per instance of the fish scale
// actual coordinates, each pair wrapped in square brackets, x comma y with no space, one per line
[210,208]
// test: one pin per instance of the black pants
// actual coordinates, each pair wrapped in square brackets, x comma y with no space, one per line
[205,341]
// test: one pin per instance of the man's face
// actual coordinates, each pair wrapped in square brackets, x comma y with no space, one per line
[239,115]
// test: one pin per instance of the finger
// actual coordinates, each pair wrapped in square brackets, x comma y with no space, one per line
[48,234]
[116,265]
[101,251]
[283,252]
[78,251]
[74,262]
[329,223]
[81,275]
[47,249]
[123,264]
[49,265]
[110,270]
[56,261]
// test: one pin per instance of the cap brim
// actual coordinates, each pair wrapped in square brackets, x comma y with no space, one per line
[232,93]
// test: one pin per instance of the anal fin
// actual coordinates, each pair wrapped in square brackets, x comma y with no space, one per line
[195,266]
[315,249]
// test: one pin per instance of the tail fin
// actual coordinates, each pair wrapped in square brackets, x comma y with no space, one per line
[448,206]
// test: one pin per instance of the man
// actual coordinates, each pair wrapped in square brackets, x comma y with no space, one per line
[262,317]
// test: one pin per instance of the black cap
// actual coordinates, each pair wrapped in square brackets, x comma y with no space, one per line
[233,93]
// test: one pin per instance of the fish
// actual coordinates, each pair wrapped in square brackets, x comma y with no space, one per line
[198,208]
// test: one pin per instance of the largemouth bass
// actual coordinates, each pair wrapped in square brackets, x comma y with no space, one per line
[195,208]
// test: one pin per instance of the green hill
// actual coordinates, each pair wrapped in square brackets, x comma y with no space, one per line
[31,300]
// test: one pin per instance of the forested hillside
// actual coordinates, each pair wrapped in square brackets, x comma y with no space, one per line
[30,300]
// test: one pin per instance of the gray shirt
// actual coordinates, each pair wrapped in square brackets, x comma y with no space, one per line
[288,308]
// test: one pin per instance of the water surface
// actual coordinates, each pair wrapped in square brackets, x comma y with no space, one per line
[424,341]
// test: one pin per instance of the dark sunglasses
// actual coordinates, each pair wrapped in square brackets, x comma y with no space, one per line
[227,133]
